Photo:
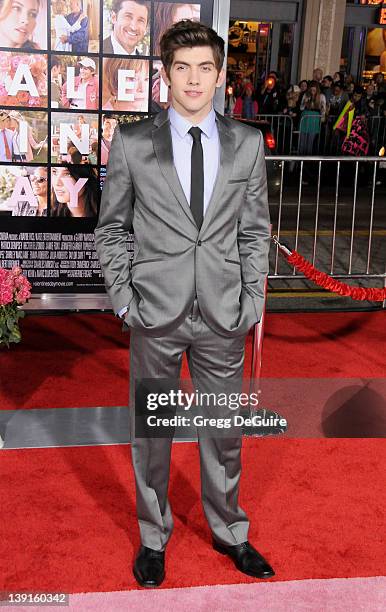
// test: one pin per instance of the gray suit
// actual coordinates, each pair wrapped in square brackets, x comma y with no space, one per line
[186,290]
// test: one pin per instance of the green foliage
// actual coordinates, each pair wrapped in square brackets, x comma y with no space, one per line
[9,327]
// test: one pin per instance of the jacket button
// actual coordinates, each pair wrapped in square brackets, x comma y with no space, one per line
[199,243]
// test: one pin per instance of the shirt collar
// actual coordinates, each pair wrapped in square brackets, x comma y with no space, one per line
[182,126]
[117,47]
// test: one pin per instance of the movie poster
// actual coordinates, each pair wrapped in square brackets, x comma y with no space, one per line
[70,72]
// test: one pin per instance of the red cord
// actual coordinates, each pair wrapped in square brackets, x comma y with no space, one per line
[324,280]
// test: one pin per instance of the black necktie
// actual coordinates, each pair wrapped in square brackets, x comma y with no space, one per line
[197,177]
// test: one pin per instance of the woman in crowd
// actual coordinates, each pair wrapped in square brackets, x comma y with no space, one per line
[230,98]
[87,197]
[313,113]
[246,105]
[303,86]
[110,100]
[338,77]
[18,22]
[292,108]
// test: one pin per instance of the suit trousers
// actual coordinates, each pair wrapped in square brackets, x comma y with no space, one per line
[212,360]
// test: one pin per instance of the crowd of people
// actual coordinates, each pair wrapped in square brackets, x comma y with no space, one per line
[326,105]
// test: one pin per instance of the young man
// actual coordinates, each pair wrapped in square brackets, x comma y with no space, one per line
[192,184]
[130,19]
[86,86]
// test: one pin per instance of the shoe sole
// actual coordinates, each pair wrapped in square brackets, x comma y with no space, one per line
[223,551]
[144,584]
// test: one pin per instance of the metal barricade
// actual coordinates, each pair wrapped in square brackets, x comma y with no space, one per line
[281,127]
[332,211]
[316,137]
[377,132]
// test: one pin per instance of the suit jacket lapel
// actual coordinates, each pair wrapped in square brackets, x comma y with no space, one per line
[227,155]
[163,148]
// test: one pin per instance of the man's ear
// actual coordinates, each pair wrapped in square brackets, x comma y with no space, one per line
[113,17]
[221,78]
[165,76]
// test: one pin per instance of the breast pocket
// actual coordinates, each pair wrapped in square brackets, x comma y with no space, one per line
[237,180]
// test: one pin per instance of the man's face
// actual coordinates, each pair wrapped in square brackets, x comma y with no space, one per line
[130,24]
[193,80]
[318,74]
[356,97]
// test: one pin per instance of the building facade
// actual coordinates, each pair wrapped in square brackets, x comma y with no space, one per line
[293,37]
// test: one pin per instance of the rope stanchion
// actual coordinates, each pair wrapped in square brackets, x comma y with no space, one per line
[371,294]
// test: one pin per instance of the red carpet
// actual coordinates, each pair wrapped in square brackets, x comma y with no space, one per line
[82,359]
[316,508]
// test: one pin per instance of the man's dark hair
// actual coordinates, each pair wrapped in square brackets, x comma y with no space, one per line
[187,34]
[55,61]
[117,5]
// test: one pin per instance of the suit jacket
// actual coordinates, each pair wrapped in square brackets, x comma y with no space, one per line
[108,46]
[225,263]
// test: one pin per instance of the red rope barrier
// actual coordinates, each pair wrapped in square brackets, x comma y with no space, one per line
[325,281]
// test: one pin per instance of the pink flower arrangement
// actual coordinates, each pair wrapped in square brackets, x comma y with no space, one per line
[15,290]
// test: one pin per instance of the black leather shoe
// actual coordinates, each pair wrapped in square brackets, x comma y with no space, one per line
[149,567]
[246,559]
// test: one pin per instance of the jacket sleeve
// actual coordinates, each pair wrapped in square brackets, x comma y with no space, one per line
[114,223]
[254,231]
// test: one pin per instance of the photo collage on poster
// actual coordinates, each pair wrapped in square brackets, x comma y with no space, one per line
[63,91]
